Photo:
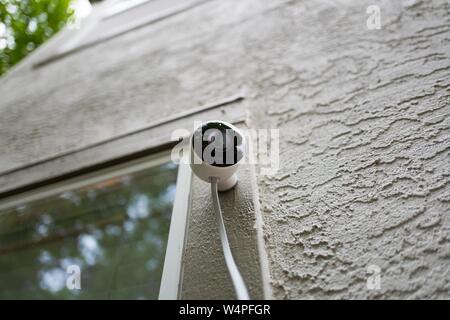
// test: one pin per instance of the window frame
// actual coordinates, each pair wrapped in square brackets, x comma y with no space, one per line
[122,149]
[172,265]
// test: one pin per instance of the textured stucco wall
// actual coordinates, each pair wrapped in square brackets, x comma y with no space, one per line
[364,119]
[365,169]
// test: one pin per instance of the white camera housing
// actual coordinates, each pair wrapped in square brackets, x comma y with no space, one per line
[225,172]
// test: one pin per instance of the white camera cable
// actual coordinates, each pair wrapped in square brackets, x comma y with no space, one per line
[236,277]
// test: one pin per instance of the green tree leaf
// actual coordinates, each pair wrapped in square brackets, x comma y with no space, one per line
[26,24]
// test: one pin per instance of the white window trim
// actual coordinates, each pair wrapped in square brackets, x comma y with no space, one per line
[172,269]
[173,261]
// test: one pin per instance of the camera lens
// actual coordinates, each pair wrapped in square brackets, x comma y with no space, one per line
[217,144]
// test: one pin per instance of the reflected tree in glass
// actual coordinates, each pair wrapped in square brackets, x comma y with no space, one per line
[116,231]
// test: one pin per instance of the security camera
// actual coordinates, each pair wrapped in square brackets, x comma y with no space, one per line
[217,147]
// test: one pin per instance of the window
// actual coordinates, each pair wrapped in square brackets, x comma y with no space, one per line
[123,227]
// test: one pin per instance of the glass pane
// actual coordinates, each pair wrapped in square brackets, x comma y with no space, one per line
[115,230]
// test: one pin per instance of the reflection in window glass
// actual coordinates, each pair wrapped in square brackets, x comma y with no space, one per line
[115,230]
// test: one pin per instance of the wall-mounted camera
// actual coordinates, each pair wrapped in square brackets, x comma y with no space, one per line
[217,147]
